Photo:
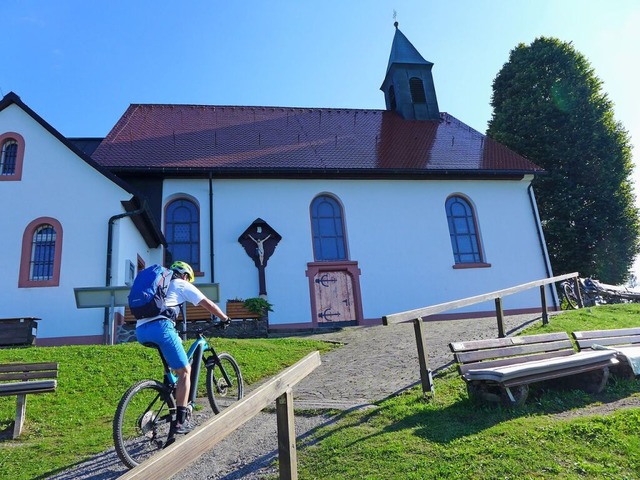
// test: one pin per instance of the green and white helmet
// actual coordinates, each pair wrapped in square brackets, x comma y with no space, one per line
[182,268]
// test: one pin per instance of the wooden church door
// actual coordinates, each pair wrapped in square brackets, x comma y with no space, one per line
[334,298]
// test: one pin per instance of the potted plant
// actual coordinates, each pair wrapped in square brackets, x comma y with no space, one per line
[258,305]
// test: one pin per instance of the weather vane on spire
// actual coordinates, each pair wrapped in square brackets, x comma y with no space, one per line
[395,15]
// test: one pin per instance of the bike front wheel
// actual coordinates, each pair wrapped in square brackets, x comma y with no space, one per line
[141,426]
[224,382]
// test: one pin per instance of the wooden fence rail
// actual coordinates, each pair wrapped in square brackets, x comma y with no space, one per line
[179,455]
[418,315]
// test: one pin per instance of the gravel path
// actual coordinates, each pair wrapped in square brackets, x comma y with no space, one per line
[374,363]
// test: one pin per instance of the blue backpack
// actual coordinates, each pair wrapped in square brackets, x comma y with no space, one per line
[148,292]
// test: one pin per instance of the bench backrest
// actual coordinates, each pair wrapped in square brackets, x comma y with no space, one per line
[617,337]
[194,313]
[497,352]
[28,371]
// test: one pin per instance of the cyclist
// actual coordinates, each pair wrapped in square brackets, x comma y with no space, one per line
[161,331]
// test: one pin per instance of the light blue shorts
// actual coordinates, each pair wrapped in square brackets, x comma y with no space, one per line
[164,334]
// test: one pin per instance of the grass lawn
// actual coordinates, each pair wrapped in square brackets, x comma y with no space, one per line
[556,434]
[74,423]
[451,437]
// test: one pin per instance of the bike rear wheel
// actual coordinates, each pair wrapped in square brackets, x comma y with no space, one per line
[570,295]
[142,422]
[224,382]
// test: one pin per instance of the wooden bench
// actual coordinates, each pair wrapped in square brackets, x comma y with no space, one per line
[21,379]
[501,369]
[195,313]
[625,342]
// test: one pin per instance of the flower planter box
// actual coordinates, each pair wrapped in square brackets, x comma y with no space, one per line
[238,310]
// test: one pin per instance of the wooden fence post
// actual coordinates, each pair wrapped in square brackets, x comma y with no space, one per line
[576,288]
[287,456]
[500,317]
[543,301]
[425,373]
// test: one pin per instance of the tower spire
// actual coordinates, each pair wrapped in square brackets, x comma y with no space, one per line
[408,85]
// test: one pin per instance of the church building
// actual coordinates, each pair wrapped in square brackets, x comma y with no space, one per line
[336,216]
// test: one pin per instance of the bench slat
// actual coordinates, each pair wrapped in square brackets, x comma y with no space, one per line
[16,388]
[463,368]
[514,350]
[558,374]
[506,342]
[28,375]
[608,341]
[28,367]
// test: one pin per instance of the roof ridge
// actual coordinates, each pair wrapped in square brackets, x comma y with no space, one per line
[250,107]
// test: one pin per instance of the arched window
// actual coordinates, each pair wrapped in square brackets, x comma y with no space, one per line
[392,99]
[327,226]
[463,231]
[41,254]
[182,231]
[11,155]
[417,90]
[8,158]
[43,251]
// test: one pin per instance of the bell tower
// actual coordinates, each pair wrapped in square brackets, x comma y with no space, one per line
[408,85]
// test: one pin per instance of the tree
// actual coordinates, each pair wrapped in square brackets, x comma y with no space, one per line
[548,105]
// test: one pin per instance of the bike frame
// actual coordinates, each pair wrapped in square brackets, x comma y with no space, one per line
[195,354]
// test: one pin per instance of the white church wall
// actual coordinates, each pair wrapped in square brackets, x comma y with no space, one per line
[397,232]
[56,183]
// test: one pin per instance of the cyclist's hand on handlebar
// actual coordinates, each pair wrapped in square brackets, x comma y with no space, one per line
[220,323]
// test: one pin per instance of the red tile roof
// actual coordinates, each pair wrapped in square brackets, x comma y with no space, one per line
[245,140]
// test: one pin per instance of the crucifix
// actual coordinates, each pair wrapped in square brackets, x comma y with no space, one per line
[260,241]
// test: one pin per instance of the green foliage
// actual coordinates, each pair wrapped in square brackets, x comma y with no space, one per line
[258,305]
[548,105]
[74,422]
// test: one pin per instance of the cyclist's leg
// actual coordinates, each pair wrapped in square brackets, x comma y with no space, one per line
[164,334]
[184,385]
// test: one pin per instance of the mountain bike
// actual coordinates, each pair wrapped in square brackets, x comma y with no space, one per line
[595,293]
[141,426]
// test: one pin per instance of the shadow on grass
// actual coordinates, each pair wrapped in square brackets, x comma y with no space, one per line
[465,417]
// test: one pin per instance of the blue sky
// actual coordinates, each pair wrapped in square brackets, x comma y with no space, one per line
[80,63]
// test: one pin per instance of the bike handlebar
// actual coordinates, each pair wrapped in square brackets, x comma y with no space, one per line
[214,322]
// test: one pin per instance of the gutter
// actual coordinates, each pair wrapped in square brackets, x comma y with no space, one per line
[213,276]
[112,220]
[542,243]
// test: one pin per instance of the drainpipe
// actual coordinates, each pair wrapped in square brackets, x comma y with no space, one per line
[112,220]
[211,227]
[543,246]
